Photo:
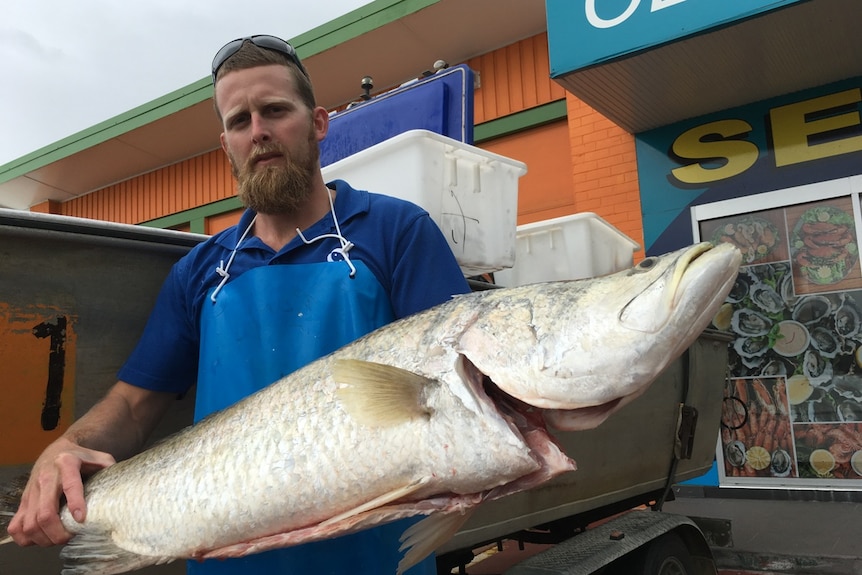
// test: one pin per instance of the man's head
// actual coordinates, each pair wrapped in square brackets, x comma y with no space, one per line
[272,126]
[262,50]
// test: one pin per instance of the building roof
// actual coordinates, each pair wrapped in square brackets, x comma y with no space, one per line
[803,45]
[391,40]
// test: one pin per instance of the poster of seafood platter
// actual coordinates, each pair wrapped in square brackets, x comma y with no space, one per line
[792,412]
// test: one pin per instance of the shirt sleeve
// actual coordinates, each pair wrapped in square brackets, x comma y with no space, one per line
[426,272]
[166,356]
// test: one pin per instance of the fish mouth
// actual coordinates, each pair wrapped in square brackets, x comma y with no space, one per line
[529,418]
[684,263]
[663,294]
[532,426]
[576,419]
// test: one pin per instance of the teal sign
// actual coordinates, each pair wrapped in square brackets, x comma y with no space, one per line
[583,33]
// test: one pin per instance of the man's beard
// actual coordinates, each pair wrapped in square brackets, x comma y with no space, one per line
[279,188]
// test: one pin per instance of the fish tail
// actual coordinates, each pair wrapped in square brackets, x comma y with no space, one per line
[97,554]
[10,499]
[5,518]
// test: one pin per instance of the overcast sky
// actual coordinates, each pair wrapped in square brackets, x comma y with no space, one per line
[68,65]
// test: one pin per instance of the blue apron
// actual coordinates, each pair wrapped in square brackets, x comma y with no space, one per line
[263,325]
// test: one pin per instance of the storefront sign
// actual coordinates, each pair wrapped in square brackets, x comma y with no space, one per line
[790,141]
[582,33]
[813,129]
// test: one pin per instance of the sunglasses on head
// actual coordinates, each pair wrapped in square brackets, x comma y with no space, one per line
[262,41]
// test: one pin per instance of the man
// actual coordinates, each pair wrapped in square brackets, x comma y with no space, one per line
[259,300]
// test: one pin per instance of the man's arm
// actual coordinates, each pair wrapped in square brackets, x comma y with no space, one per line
[427,272]
[113,429]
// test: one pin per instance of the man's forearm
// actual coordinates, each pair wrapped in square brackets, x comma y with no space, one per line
[121,422]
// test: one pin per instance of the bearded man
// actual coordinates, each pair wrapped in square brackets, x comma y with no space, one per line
[309,267]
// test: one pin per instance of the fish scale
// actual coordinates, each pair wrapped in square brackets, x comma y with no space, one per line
[263,493]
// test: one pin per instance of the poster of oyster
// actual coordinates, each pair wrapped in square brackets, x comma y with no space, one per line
[792,412]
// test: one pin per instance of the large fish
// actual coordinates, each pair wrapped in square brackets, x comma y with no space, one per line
[430,415]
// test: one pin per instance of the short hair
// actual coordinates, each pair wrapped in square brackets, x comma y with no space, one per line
[251,56]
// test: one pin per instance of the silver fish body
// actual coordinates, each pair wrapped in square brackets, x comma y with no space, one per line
[404,421]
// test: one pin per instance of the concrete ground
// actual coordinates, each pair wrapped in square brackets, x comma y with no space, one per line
[781,531]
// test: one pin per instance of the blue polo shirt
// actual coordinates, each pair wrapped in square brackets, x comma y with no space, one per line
[397,240]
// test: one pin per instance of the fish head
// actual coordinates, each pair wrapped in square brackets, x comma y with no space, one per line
[581,349]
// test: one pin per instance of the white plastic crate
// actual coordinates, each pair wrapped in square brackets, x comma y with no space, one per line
[470,193]
[570,247]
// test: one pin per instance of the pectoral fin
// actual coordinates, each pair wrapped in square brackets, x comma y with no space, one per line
[379,395]
[380,501]
[422,538]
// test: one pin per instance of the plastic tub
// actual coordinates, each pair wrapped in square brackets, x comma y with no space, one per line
[570,247]
[471,194]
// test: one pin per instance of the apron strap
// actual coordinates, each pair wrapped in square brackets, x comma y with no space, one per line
[345,244]
[221,269]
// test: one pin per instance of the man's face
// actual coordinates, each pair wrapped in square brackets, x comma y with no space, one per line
[270,137]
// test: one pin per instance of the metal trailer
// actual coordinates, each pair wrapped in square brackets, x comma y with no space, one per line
[104,278]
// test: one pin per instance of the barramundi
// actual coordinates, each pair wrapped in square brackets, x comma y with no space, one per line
[428,416]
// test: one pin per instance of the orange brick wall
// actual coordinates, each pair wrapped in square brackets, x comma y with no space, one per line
[546,190]
[604,170]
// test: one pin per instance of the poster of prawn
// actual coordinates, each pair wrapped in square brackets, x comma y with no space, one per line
[792,411]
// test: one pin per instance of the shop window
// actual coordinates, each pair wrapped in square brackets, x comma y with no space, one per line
[793,400]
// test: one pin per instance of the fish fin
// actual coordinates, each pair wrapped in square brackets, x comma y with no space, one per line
[379,501]
[379,395]
[5,519]
[422,538]
[97,554]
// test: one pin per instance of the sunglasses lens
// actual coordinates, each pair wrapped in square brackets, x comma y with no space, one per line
[226,52]
[273,43]
[264,41]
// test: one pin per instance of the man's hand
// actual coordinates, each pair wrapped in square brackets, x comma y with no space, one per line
[58,471]
[118,425]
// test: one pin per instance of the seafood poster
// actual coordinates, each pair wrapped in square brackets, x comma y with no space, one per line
[792,409]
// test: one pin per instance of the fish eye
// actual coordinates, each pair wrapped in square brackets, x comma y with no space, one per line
[647,263]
